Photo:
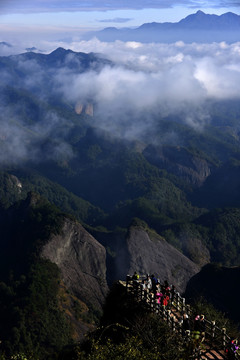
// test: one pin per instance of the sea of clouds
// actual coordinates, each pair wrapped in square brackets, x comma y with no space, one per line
[167,79]
[145,82]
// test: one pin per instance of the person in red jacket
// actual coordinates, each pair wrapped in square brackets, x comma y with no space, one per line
[165,300]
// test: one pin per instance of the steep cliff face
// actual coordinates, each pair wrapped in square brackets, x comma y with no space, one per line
[180,162]
[82,261]
[146,252]
[62,270]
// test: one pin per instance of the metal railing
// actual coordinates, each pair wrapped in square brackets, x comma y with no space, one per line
[216,338]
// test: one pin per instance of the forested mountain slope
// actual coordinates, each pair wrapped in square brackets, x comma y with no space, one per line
[152,191]
[168,175]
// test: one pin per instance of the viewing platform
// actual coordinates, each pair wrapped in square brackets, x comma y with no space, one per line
[212,343]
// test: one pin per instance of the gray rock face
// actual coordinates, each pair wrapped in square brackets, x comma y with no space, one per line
[152,254]
[82,261]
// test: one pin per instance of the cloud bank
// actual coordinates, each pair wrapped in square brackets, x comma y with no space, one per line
[42,141]
[143,84]
[115,20]
[34,6]
[154,80]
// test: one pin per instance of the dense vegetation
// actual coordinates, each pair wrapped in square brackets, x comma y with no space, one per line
[34,328]
[129,331]
[168,177]
[180,181]
[31,318]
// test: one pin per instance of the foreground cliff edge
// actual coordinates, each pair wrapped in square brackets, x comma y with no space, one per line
[54,274]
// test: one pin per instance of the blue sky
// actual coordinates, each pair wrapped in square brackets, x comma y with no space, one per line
[54,19]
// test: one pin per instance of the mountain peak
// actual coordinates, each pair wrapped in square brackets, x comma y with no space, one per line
[229,14]
[198,17]
[200,12]
[196,27]
[201,21]
[4,43]
[60,51]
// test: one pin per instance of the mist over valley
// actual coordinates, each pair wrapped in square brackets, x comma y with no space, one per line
[116,155]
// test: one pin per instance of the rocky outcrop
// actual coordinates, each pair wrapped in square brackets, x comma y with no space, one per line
[180,162]
[82,261]
[147,252]
[84,108]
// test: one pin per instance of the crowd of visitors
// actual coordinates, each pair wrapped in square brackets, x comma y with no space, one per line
[165,295]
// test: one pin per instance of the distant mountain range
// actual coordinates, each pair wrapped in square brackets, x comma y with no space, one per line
[198,27]
[5,44]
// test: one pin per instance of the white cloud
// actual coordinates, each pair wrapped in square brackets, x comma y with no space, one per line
[16,6]
[176,67]
[146,82]
[150,79]
[115,20]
